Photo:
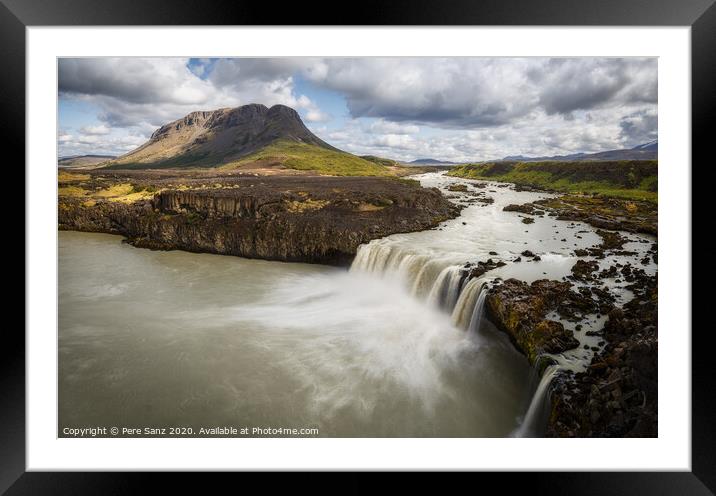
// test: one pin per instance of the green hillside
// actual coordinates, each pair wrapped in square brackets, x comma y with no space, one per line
[302,156]
[633,179]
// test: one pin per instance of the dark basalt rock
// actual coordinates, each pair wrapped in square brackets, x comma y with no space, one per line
[604,213]
[526,208]
[457,187]
[601,212]
[617,396]
[520,309]
[611,240]
[583,270]
[296,219]
[478,269]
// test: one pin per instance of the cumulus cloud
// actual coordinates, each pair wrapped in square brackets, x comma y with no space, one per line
[134,80]
[96,130]
[149,92]
[451,92]
[639,127]
[82,143]
[482,92]
[386,127]
[542,135]
[566,85]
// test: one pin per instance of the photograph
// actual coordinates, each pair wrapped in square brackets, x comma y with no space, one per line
[357,247]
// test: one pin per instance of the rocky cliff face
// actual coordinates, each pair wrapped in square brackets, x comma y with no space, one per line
[617,394]
[318,220]
[208,138]
[519,309]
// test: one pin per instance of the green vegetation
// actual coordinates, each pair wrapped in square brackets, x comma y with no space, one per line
[68,177]
[71,191]
[302,156]
[630,179]
[386,162]
[121,192]
[203,160]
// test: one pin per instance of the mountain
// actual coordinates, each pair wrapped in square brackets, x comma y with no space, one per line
[80,161]
[646,151]
[651,145]
[430,161]
[215,138]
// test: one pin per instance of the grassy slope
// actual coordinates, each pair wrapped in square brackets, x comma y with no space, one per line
[379,160]
[632,179]
[302,156]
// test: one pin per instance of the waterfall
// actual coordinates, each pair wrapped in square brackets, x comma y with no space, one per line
[455,283]
[478,310]
[446,289]
[440,282]
[471,296]
[445,285]
[535,417]
[419,273]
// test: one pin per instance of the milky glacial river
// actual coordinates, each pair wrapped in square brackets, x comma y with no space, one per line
[176,339]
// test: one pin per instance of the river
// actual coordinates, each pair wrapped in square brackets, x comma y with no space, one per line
[395,346]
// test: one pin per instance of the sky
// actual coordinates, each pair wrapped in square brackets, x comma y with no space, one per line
[453,109]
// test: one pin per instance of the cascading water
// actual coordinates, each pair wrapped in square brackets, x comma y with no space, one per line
[441,283]
[479,308]
[444,284]
[465,304]
[444,287]
[534,419]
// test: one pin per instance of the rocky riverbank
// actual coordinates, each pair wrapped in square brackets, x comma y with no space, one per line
[597,326]
[599,211]
[615,395]
[315,219]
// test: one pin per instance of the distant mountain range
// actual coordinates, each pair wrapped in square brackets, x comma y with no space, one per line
[79,161]
[646,151]
[224,136]
[430,161]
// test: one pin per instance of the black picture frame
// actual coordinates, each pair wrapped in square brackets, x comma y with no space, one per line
[16,15]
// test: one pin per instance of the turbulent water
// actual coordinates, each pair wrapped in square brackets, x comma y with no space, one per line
[396,346]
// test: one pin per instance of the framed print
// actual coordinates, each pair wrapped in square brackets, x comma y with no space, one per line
[425,241]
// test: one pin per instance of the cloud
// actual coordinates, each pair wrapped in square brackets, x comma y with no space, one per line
[385,127]
[450,92]
[134,80]
[541,135]
[81,143]
[228,72]
[639,127]
[483,92]
[96,130]
[317,116]
[567,85]
[144,93]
